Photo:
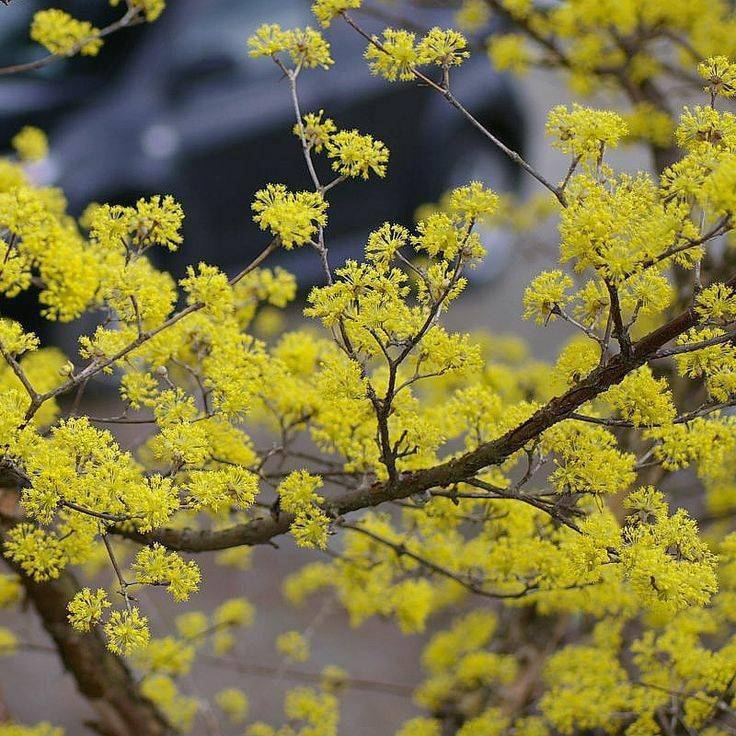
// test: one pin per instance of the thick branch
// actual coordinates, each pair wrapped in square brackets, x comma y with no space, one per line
[457,470]
[101,677]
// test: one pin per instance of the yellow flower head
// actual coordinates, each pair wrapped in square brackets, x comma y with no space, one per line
[126,631]
[63,35]
[355,155]
[583,131]
[30,144]
[444,48]
[720,74]
[293,217]
[307,47]
[394,56]
[327,10]
[233,703]
[316,130]
[86,608]
[509,52]
[293,646]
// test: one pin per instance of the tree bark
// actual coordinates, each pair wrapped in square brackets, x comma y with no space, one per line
[456,470]
[101,677]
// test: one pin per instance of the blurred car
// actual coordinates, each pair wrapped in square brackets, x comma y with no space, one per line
[178,107]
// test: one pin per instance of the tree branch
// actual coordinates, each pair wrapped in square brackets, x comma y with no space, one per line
[402,550]
[101,677]
[444,90]
[132,17]
[95,367]
[456,470]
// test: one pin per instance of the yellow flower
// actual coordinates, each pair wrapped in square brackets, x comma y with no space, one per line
[544,294]
[421,727]
[86,608]
[292,217]
[233,703]
[509,52]
[720,73]
[30,144]
[168,656]
[317,131]
[354,154]
[444,48]
[310,528]
[155,566]
[394,56]
[234,612]
[584,131]
[268,40]
[326,10]
[472,15]
[126,631]
[646,122]
[152,9]
[63,35]
[8,642]
[37,552]
[293,646]
[307,47]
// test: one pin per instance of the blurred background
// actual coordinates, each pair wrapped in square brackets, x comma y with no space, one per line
[177,107]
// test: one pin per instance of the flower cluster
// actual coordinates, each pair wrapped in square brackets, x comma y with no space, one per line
[30,143]
[327,10]
[584,132]
[531,485]
[86,608]
[306,47]
[293,217]
[61,34]
[155,566]
[397,54]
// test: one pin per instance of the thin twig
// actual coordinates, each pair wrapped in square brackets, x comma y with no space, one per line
[444,90]
[131,18]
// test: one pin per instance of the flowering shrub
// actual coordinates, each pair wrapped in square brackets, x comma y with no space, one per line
[538,507]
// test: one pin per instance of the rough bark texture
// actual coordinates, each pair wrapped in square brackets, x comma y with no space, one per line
[262,531]
[101,677]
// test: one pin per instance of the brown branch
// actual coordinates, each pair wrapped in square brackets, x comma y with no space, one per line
[701,411]
[95,367]
[101,677]
[131,18]
[401,550]
[459,469]
[691,347]
[19,373]
[548,507]
[619,329]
